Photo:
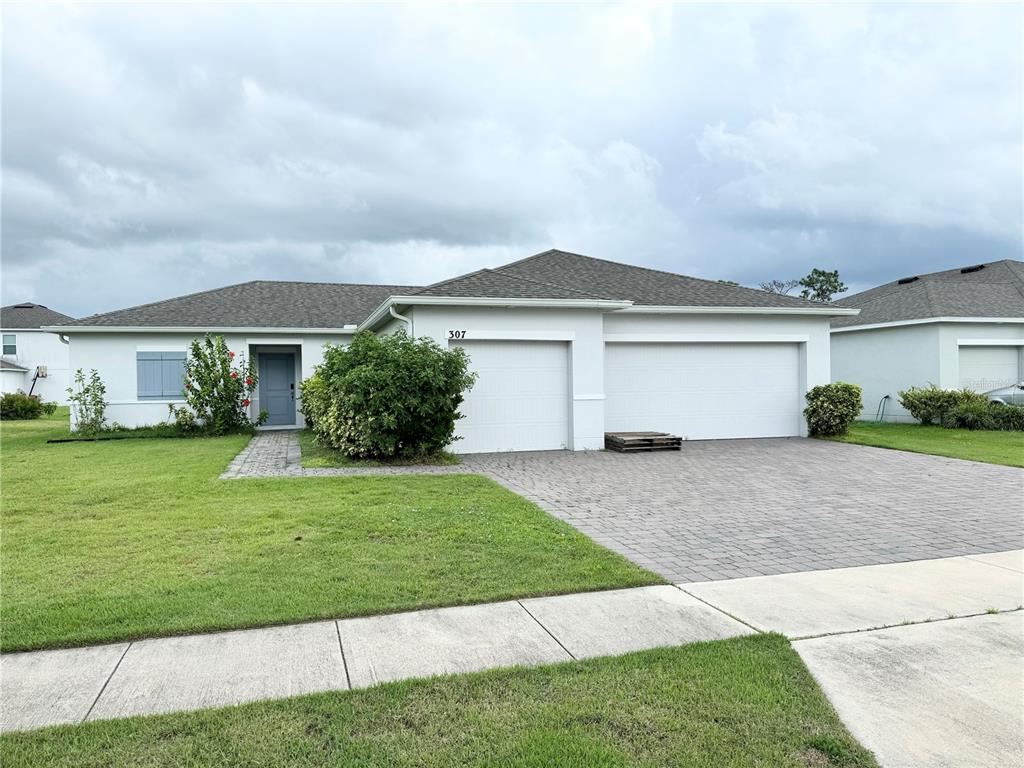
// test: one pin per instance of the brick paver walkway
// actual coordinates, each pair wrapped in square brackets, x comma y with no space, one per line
[730,508]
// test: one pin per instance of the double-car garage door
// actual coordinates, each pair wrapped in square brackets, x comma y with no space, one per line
[703,391]
[522,398]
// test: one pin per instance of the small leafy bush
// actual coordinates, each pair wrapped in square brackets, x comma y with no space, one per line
[184,420]
[969,415]
[929,405]
[50,407]
[88,402]
[386,397]
[1009,418]
[218,389]
[18,405]
[832,408]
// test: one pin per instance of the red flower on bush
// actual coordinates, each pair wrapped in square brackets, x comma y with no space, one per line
[245,403]
[231,355]
[234,375]
[248,380]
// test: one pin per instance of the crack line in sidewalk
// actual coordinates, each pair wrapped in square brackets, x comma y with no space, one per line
[904,624]
[720,610]
[107,681]
[341,647]
[550,633]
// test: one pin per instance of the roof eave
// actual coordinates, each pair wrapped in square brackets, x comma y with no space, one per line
[382,311]
[829,311]
[925,321]
[193,329]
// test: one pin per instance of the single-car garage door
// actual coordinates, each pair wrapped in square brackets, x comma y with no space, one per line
[520,401]
[703,391]
[986,368]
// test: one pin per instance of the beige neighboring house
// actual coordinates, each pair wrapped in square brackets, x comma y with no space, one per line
[34,361]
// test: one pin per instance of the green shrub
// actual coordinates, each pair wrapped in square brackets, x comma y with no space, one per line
[184,420]
[18,405]
[384,397]
[88,402]
[969,415]
[217,389]
[832,408]
[50,407]
[1009,418]
[929,405]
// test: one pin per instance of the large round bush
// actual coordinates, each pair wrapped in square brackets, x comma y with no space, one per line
[386,396]
[18,405]
[832,408]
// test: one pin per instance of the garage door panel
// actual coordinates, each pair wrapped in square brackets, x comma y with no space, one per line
[704,391]
[520,401]
[984,368]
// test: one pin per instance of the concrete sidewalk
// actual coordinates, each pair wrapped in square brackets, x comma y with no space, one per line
[948,692]
[198,671]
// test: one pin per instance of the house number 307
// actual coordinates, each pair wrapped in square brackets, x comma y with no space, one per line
[456,334]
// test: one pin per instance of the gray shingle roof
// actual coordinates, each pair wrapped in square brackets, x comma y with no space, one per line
[10,365]
[994,290]
[648,287]
[29,315]
[495,283]
[257,304]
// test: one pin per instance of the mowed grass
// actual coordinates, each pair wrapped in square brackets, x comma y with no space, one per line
[743,702]
[975,445]
[315,455]
[126,539]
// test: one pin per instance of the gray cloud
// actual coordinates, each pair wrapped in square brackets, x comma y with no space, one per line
[153,151]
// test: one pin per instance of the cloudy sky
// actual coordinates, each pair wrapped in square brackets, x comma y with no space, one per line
[149,152]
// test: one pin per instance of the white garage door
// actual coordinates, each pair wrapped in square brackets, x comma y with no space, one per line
[520,401]
[703,391]
[986,368]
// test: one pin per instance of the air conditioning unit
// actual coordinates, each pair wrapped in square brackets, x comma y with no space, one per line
[40,371]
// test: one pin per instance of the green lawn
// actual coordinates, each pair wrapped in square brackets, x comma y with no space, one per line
[742,702]
[315,455]
[991,447]
[133,538]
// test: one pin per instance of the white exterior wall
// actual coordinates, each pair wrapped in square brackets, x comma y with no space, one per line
[885,361]
[587,330]
[113,355]
[582,329]
[37,348]
[954,335]
[810,334]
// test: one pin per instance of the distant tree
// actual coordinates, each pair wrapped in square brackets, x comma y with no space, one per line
[821,285]
[728,282]
[779,286]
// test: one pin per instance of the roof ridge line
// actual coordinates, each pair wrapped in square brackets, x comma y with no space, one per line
[166,301]
[450,280]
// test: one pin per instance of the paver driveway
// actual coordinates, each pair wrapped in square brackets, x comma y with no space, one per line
[729,508]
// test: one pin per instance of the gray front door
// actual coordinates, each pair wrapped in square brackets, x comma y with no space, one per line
[277,387]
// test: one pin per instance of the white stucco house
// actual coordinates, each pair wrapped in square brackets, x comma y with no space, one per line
[34,361]
[566,347]
[957,328]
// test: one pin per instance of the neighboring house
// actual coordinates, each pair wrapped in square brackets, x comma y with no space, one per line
[957,328]
[566,347]
[33,360]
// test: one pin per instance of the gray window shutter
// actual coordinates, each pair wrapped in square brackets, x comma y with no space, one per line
[149,365]
[173,375]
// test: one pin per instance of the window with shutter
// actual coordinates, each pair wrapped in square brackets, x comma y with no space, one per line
[161,375]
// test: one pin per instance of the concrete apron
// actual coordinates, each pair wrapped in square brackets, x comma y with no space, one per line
[940,692]
[948,692]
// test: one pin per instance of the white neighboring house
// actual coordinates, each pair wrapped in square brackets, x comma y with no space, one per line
[957,328]
[566,347]
[34,360]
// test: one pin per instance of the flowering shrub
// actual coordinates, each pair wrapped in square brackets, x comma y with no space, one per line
[832,408]
[386,396]
[217,388]
[88,402]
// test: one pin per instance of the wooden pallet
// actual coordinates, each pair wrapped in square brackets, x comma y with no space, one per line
[631,442]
